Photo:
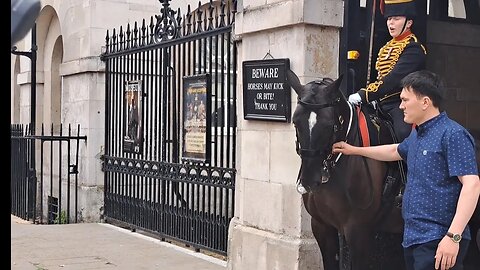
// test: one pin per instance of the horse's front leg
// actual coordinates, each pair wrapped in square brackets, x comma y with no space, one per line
[327,239]
[360,241]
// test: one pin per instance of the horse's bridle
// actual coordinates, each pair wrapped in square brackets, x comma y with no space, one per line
[314,107]
[328,162]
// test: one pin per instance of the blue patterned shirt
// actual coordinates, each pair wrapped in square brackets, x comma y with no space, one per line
[436,152]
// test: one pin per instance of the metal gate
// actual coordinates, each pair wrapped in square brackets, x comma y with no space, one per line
[160,176]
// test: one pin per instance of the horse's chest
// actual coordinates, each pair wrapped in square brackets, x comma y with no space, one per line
[327,205]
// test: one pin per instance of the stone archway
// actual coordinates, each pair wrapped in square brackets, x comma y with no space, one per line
[49,59]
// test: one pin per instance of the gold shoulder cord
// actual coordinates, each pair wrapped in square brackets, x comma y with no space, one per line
[421,45]
[387,58]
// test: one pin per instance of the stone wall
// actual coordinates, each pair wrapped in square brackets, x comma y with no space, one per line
[71,81]
[271,229]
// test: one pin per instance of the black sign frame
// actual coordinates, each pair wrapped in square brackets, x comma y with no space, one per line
[266,91]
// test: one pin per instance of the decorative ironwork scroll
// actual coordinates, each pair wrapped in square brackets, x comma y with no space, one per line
[167,26]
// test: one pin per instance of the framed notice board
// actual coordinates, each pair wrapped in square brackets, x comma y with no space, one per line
[196,118]
[133,117]
[266,92]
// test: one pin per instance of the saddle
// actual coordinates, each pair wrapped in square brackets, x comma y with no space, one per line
[376,128]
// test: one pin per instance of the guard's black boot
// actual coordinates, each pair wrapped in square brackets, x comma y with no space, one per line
[403,178]
[399,199]
[388,188]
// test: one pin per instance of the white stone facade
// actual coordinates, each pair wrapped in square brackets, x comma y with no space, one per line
[70,84]
[271,229]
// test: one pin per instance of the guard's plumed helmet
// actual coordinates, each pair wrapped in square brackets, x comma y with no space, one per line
[399,8]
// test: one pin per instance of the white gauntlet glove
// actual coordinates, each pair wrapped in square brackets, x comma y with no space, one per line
[355,99]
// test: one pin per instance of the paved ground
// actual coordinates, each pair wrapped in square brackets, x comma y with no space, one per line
[98,246]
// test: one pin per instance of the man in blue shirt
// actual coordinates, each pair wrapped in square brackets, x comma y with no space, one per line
[443,185]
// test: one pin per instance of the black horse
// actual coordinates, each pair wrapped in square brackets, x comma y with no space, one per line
[345,195]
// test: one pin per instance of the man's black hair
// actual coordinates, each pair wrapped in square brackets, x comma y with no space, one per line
[426,83]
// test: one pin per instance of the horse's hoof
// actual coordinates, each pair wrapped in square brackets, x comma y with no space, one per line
[301,189]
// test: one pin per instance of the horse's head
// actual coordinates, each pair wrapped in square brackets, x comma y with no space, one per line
[319,122]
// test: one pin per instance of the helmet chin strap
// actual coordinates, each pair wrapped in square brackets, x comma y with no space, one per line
[404,26]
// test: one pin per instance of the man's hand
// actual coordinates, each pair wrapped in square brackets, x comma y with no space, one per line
[355,99]
[446,254]
[342,147]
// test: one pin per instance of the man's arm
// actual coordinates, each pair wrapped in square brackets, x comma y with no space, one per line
[447,250]
[387,152]
[467,202]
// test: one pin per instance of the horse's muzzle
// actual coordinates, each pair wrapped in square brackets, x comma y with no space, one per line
[309,186]
[303,189]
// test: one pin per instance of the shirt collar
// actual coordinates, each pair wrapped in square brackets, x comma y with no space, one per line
[403,35]
[421,129]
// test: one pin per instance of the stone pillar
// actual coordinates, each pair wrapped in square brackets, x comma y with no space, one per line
[271,229]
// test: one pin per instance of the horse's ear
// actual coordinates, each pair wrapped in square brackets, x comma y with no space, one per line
[294,82]
[337,82]
[336,86]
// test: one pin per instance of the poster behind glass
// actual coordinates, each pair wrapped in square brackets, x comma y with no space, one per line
[196,118]
[133,125]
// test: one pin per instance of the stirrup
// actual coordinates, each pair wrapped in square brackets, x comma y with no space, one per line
[301,189]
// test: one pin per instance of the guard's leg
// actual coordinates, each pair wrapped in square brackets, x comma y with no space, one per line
[402,129]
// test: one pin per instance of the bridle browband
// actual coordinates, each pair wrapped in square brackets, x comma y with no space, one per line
[314,106]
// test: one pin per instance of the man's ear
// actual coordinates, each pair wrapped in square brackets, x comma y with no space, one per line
[426,102]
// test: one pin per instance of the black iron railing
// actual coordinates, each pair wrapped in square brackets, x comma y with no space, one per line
[49,191]
[148,183]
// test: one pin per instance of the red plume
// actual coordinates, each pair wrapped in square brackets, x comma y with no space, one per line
[382,6]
